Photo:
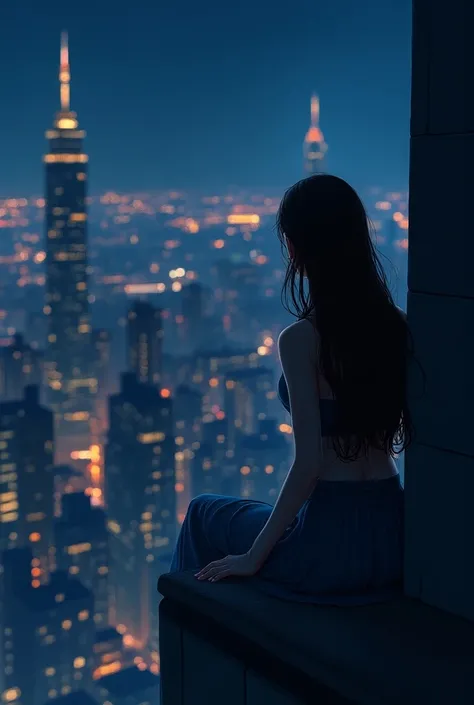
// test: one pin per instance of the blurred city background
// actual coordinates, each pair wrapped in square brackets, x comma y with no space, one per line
[140,278]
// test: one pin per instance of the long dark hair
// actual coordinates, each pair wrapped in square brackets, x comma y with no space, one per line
[335,278]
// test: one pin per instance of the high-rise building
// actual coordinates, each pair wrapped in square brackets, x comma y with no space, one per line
[248,395]
[20,366]
[46,634]
[145,342]
[214,466]
[26,479]
[131,686]
[101,346]
[72,387]
[314,146]
[192,304]
[188,428]
[211,368]
[140,498]
[264,459]
[81,541]
[108,653]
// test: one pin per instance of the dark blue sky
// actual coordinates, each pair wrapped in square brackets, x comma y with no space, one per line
[209,94]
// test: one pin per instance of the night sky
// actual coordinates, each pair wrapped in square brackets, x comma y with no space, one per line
[208,94]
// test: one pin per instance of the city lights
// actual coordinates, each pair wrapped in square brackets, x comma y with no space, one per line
[148,321]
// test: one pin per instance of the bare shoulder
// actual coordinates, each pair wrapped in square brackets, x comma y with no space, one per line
[298,339]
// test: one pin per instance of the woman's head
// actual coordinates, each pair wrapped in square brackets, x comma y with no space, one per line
[334,275]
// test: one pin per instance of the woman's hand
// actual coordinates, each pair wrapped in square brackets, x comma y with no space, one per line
[242,565]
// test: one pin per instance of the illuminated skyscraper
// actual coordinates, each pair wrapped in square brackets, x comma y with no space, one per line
[214,466]
[264,459]
[188,427]
[314,146]
[82,549]
[108,652]
[130,686]
[20,367]
[140,498]
[145,342]
[47,633]
[71,385]
[26,479]
[247,400]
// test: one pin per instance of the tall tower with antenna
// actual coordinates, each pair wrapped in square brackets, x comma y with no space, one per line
[314,146]
[71,386]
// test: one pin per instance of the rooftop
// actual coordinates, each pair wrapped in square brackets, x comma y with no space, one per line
[129,681]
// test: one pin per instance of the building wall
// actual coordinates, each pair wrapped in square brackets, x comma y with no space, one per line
[439,474]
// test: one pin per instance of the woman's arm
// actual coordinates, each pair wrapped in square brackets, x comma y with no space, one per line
[297,347]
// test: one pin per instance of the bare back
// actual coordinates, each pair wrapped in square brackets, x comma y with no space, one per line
[307,388]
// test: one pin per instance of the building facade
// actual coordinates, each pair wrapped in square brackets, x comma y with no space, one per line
[27,480]
[82,549]
[71,385]
[145,342]
[140,498]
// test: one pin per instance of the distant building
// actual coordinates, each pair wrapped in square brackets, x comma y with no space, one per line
[80,697]
[264,460]
[101,340]
[20,366]
[187,414]
[82,549]
[188,430]
[72,386]
[241,281]
[145,342]
[314,146]
[131,686]
[192,298]
[108,652]
[26,479]
[248,393]
[140,498]
[47,633]
[211,368]
[214,466]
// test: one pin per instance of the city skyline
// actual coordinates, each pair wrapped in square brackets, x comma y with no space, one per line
[159,111]
[138,341]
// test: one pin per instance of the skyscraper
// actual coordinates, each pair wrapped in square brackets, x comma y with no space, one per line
[46,634]
[141,500]
[82,549]
[20,366]
[71,385]
[314,146]
[247,400]
[145,342]
[192,310]
[131,686]
[26,479]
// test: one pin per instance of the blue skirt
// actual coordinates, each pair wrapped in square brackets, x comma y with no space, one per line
[345,546]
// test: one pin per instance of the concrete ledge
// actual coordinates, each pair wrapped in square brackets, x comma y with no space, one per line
[400,653]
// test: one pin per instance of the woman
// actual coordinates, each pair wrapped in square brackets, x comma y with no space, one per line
[335,534]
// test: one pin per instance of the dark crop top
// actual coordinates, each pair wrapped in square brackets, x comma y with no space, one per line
[327,408]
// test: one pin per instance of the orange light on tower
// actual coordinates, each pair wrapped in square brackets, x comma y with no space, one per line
[314,146]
